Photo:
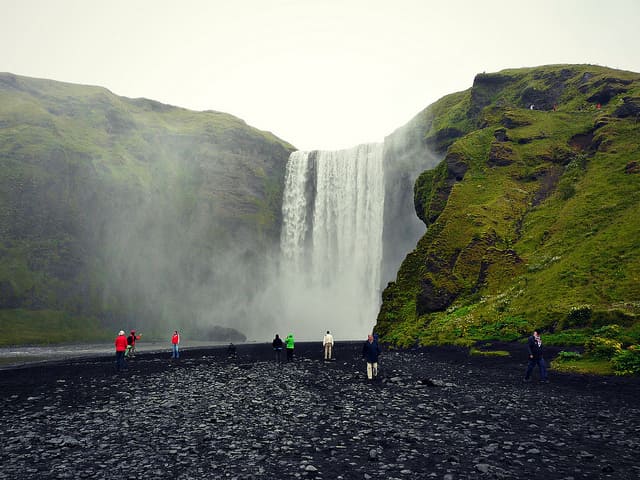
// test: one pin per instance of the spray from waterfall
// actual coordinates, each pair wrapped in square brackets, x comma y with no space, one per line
[331,241]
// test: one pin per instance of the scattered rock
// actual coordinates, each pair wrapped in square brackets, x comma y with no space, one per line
[212,418]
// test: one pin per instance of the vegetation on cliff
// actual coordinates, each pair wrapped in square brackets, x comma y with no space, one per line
[118,212]
[532,215]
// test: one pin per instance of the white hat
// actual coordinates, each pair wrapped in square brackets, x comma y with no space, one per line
[121,332]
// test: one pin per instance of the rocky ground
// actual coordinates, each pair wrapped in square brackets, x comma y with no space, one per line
[433,413]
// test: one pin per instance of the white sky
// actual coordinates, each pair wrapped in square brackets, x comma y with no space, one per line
[320,74]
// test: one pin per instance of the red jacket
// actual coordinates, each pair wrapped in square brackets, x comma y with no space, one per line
[121,343]
[175,339]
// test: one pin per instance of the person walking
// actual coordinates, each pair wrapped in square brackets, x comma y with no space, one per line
[327,343]
[121,347]
[289,344]
[131,344]
[534,347]
[175,341]
[370,352]
[277,348]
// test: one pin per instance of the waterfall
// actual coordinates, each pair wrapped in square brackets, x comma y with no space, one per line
[331,241]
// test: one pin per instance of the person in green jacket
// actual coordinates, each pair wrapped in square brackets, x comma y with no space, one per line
[289,347]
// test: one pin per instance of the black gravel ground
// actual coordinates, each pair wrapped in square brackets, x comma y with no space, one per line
[432,413]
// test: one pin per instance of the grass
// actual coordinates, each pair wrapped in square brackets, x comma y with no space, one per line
[584,366]
[488,353]
[575,337]
[25,327]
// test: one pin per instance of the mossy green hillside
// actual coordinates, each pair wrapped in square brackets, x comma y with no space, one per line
[531,215]
[120,209]
[48,327]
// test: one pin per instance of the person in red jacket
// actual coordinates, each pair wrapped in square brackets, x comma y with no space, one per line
[121,347]
[131,342]
[175,341]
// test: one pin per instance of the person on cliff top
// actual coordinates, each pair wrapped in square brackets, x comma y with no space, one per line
[327,344]
[370,352]
[289,344]
[175,341]
[121,347]
[534,347]
[131,344]
[277,345]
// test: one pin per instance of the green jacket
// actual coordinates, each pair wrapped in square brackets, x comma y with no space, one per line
[289,341]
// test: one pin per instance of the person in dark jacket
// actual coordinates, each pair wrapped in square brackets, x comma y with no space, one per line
[131,344]
[370,352]
[534,347]
[277,345]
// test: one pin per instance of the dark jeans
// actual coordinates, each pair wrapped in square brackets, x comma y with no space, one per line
[289,354]
[121,364]
[541,366]
[278,352]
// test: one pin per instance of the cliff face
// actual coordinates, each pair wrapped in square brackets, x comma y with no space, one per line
[128,209]
[532,214]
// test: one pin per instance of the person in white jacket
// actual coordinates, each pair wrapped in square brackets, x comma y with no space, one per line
[327,343]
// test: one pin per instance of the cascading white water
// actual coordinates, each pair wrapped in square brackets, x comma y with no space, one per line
[331,241]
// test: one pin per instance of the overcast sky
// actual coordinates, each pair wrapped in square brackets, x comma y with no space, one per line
[320,74]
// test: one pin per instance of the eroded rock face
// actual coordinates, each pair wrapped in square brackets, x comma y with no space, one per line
[630,108]
[434,298]
[500,155]
[432,413]
[632,168]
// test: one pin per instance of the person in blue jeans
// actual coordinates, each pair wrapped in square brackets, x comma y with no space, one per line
[175,342]
[534,347]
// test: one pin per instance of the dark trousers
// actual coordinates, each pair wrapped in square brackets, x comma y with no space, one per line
[289,354]
[278,353]
[121,364]
[541,366]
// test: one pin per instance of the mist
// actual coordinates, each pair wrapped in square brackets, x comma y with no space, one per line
[182,249]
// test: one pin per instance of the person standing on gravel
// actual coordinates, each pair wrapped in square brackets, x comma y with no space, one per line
[327,343]
[121,347]
[289,343]
[131,344]
[277,348]
[175,341]
[370,352]
[534,347]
